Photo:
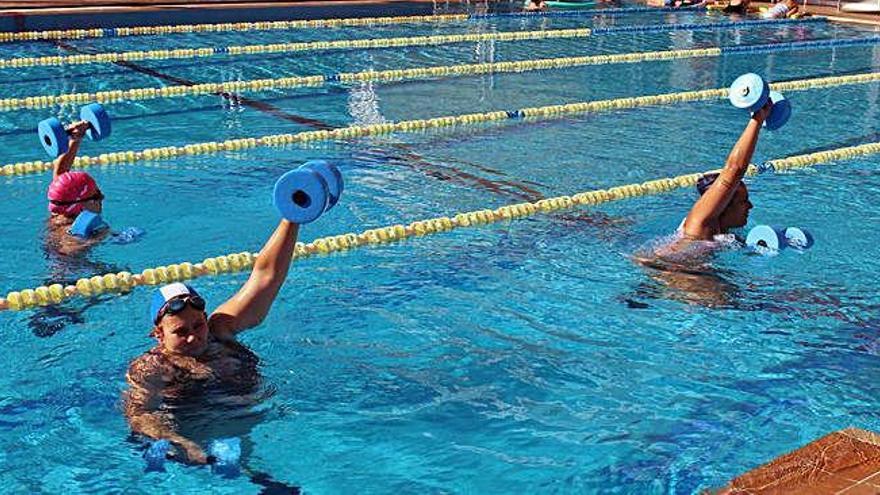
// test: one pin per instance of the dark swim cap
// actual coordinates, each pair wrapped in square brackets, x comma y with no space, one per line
[705,181]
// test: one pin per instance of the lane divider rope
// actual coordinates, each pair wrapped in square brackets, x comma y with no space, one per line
[259,85]
[124,282]
[61,34]
[421,125]
[236,50]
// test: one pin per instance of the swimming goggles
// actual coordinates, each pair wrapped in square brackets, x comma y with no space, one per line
[98,196]
[177,304]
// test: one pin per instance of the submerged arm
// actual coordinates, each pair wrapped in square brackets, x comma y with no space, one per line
[249,306]
[144,416]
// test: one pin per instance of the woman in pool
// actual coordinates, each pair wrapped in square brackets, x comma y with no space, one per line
[680,263]
[69,194]
[724,199]
[197,368]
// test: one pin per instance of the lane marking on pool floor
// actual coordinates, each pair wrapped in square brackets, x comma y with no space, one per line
[190,88]
[398,42]
[126,31]
[423,125]
[124,282]
[411,159]
[225,94]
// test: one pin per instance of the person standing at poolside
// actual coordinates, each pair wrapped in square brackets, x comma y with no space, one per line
[534,6]
[197,363]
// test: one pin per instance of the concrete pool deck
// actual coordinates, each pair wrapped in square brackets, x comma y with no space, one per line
[846,462]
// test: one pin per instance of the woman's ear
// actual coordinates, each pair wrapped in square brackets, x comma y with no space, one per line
[156,332]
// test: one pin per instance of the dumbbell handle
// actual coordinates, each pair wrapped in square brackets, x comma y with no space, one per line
[69,129]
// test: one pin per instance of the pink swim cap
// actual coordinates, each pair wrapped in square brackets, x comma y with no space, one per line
[67,189]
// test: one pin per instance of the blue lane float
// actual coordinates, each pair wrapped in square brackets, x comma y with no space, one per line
[577,13]
[800,45]
[699,26]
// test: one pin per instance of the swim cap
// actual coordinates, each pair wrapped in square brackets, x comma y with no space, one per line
[705,181]
[69,188]
[167,293]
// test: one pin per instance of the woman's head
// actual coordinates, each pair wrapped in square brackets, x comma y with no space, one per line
[72,192]
[736,213]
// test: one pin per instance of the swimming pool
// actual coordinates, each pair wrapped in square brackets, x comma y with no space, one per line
[524,356]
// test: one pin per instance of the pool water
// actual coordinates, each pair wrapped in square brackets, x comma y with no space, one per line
[531,356]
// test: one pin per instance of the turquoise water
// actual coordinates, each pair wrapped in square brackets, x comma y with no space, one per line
[527,356]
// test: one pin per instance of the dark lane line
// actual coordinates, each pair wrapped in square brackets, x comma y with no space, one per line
[404,152]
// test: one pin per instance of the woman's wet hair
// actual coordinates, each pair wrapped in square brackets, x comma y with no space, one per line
[706,181]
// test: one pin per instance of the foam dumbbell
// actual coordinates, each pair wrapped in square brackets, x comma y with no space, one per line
[750,92]
[779,113]
[87,224]
[54,136]
[226,453]
[766,239]
[332,176]
[156,454]
[304,194]
[798,238]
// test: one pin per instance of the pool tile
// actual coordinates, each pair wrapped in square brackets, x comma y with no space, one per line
[844,461]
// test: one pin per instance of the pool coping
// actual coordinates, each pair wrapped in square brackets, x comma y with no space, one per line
[843,462]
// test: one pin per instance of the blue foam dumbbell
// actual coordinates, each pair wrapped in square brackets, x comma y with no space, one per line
[226,453]
[87,224]
[749,92]
[301,195]
[156,454]
[331,175]
[98,119]
[53,135]
[304,194]
[798,238]
[779,113]
[766,239]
